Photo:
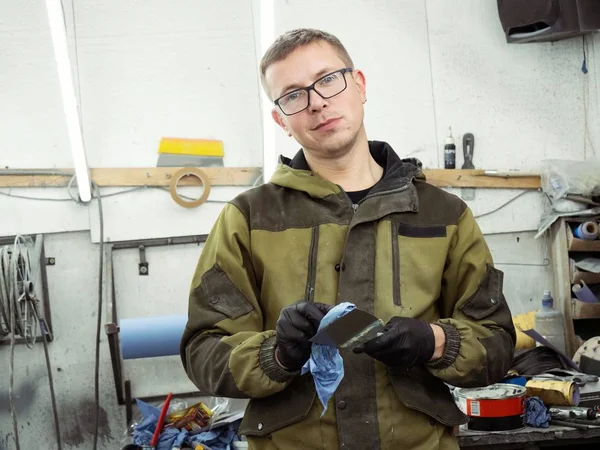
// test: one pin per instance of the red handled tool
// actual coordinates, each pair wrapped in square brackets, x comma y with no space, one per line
[161,421]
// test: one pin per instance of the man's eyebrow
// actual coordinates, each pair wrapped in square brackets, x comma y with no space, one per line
[294,86]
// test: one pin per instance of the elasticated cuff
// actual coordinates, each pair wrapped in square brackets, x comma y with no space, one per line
[451,348]
[266,359]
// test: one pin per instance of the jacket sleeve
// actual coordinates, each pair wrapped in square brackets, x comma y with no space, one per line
[224,349]
[477,322]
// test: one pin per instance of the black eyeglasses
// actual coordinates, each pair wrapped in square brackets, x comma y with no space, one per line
[327,86]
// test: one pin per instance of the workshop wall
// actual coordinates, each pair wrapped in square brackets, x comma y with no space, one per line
[439,63]
[189,69]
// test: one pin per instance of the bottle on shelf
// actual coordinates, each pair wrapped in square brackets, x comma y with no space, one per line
[449,151]
[549,323]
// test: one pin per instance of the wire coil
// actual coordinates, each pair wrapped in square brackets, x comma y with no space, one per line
[17,291]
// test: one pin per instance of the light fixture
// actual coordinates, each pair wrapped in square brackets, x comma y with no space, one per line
[267,35]
[58,31]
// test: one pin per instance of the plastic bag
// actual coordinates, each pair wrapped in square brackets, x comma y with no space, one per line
[225,411]
[560,177]
[220,406]
[127,436]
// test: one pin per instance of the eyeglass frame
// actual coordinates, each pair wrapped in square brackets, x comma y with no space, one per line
[344,71]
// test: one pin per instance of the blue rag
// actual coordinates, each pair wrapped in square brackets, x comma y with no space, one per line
[537,414]
[218,438]
[169,437]
[143,432]
[325,362]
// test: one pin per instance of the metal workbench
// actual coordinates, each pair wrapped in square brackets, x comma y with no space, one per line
[531,439]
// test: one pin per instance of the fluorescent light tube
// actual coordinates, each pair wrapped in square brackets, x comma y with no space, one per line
[65,76]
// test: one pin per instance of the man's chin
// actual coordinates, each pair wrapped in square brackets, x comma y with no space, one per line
[337,144]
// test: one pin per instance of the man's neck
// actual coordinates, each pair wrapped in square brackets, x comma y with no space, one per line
[354,171]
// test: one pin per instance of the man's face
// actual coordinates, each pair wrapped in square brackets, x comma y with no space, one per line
[328,127]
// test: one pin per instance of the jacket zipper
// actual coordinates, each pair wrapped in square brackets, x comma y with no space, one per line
[377,194]
[396,276]
[391,191]
[312,265]
[395,250]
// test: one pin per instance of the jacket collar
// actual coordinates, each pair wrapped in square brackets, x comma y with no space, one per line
[397,172]
[394,193]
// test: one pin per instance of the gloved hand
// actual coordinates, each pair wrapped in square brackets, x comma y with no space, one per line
[405,343]
[297,323]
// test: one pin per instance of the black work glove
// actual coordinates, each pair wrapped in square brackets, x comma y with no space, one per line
[405,343]
[297,323]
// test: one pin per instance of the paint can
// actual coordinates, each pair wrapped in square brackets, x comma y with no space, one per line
[498,407]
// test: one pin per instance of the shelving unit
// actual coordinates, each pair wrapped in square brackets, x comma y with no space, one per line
[582,320]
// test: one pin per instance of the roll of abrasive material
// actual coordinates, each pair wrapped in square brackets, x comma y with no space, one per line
[584,293]
[554,392]
[499,407]
[522,322]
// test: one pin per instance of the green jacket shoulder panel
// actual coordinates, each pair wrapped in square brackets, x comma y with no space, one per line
[276,208]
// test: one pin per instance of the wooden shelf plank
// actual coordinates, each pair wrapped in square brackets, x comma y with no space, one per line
[246,176]
[562,280]
[134,176]
[478,179]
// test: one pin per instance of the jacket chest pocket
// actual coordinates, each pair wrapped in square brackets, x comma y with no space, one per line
[419,254]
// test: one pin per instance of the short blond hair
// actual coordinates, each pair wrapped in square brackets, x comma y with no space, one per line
[285,44]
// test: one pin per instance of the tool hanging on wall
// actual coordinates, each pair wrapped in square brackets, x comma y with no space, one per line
[468,151]
[182,152]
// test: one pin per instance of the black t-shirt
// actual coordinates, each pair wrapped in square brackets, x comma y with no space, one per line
[357,196]
[299,162]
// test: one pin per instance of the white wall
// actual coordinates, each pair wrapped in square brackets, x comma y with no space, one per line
[155,68]
[146,70]
[439,63]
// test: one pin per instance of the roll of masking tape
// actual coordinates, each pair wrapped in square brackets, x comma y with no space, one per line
[177,176]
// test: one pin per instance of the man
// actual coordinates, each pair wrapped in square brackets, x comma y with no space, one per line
[345,220]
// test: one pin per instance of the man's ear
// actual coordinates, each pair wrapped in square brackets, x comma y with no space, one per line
[279,120]
[361,84]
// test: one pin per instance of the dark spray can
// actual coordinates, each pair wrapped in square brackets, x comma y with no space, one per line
[450,151]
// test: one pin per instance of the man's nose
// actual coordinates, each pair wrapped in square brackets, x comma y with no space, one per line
[316,102]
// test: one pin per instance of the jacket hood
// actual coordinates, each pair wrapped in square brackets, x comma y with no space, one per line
[296,174]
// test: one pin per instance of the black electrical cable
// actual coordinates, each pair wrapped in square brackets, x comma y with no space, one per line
[15,274]
[11,394]
[18,292]
[99,321]
[44,333]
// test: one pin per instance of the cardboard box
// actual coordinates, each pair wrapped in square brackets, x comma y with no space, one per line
[578,275]
[193,418]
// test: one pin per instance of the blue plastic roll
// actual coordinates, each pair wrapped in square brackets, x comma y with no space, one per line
[149,337]
[587,231]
